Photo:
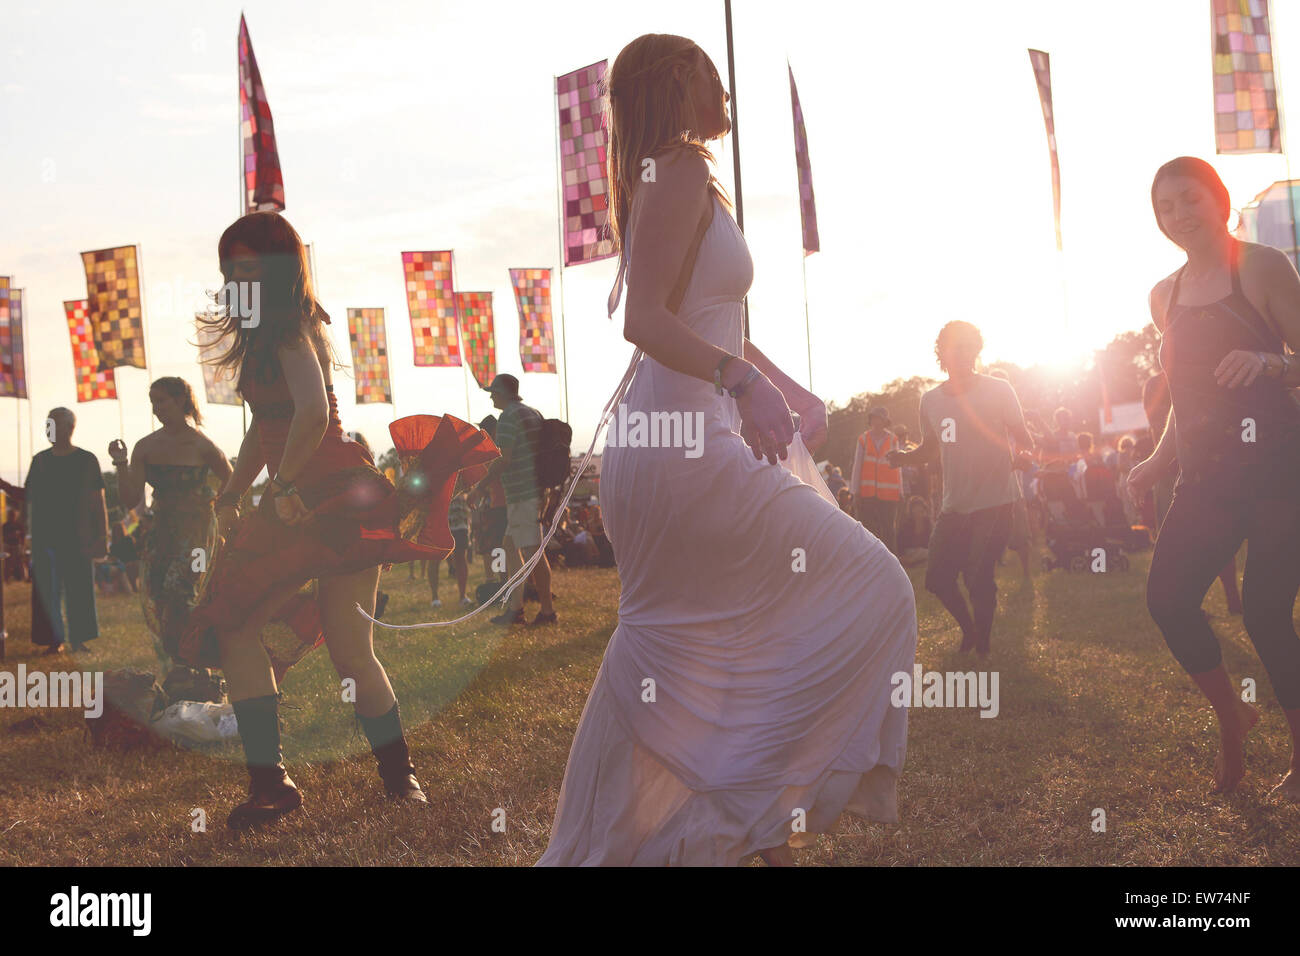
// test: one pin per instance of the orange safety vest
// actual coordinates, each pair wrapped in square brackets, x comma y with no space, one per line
[877,479]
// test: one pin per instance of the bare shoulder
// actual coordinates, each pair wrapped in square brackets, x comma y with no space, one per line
[1263,262]
[144,446]
[682,164]
[209,446]
[1159,297]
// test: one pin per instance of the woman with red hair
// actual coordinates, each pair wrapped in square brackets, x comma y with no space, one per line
[328,516]
[1229,323]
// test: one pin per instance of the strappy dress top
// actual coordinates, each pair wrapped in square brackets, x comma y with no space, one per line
[1215,425]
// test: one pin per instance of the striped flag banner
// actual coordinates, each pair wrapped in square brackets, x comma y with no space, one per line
[1245,91]
[113,306]
[583,149]
[13,362]
[92,384]
[432,306]
[536,336]
[370,356]
[219,384]
[263,182]
[1042,64]
[476,330]
[807,207]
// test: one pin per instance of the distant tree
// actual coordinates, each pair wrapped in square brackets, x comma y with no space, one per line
[1127,362]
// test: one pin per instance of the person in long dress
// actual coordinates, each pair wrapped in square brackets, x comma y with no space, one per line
[176,461]
[743,702]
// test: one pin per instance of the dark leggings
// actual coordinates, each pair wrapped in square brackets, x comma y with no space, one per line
[1200,533]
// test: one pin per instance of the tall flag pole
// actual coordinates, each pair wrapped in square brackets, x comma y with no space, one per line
[807,207]
[735,140]
[263,183]
[559,215]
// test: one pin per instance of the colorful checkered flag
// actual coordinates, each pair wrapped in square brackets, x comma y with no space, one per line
[113,306]
[263,183]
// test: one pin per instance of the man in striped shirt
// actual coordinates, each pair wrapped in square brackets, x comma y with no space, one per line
[519,429]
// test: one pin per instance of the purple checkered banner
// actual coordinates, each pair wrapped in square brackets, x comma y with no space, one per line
[583,151]
[807,207]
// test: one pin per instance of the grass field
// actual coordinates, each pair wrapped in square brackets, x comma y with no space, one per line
[1094,714]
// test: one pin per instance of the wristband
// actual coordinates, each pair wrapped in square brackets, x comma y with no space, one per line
[744,383]
[717,372]
[228,500]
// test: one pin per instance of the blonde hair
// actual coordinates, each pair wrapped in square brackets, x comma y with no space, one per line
[648,111]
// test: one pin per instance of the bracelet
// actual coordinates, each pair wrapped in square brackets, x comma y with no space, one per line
[744,383]
[1266,371]
[288,491]
[227,500]
[717,372]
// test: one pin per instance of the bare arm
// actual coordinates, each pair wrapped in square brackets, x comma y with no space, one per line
[666,215]
[667,212]
[923,453]
[248,465]
[130,477]
[1283,308]
[215,459]
[854,485]
[795,395]
[302,373]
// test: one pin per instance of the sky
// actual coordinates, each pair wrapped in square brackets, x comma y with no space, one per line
[431,125]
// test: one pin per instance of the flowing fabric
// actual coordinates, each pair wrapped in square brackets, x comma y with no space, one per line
[744,698]
[359,520]
[182,521]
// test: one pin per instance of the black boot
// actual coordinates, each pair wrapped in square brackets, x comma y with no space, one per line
[272,793]
[389,747]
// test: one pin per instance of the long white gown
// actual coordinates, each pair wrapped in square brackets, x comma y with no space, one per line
[771,710]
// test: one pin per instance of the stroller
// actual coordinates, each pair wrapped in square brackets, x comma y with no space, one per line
[1073,531]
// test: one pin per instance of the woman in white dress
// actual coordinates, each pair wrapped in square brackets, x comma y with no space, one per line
[743,702]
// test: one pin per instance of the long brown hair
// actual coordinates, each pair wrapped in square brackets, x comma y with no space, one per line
[288,305]
[648,112]
[182,393]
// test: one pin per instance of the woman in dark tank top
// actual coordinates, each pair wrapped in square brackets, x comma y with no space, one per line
[1229,321]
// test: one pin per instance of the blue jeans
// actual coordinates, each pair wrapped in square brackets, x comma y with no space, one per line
[62,575]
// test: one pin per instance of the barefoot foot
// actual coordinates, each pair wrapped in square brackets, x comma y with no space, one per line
[778,855]
[1230,765]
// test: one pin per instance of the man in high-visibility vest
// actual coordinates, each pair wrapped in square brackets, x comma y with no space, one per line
[877,487]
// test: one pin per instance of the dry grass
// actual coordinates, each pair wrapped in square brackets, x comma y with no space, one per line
[1094,714]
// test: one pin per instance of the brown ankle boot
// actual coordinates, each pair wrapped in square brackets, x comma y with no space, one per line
[388,745]
[272,794]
